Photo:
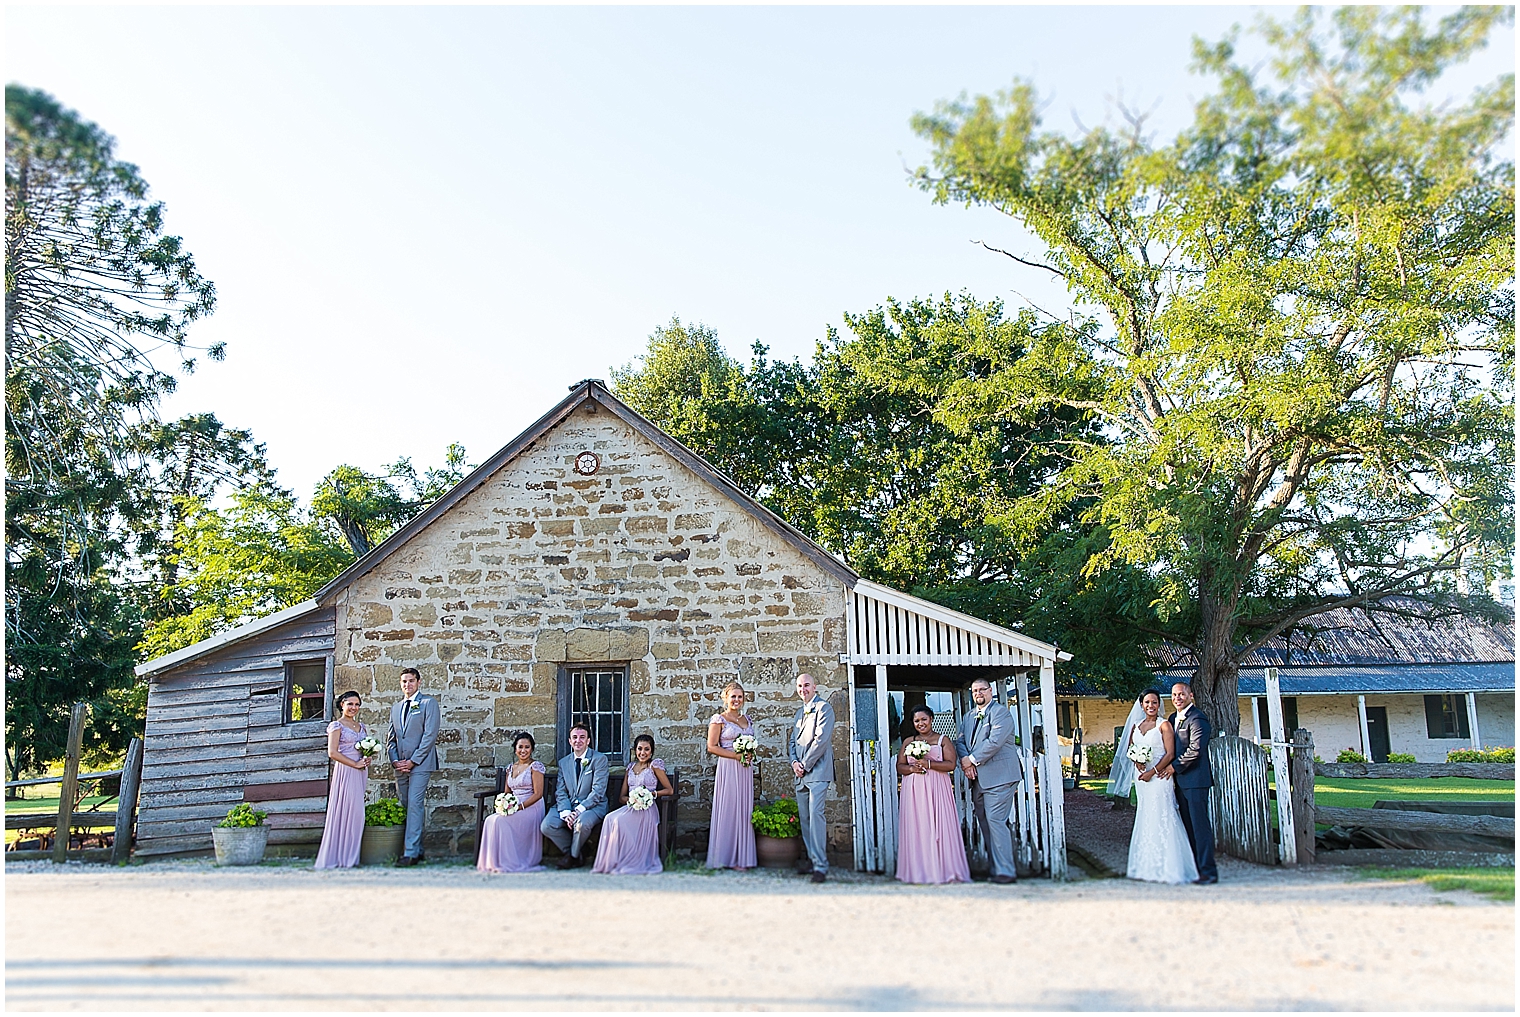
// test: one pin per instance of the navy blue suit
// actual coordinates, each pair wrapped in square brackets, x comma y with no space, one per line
[1193,778]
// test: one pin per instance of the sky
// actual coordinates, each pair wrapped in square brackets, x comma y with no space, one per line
[426,224]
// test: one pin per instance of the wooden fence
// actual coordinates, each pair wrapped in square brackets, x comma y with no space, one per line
[1239,805]
[72,782]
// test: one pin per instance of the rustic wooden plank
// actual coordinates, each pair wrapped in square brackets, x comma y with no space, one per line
[296,820]
[150,845]
[152,769]
[232,694]
[1412,859]
[36,781]
[70,781]
[1238,802]
[1301,768]
[162,756]
[175,813]
[285,790]
[49,821]
[288,774]
[77,855]
[227,796]
[1387,771]
[1391,819]
[161,727]
[301,730]
[296,835]
[172,783]
[197,708]
[242,656]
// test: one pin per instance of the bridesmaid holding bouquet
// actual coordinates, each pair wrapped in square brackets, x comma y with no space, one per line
[731,737]
[510,841]
[344,826]
[630,844]
[929,848]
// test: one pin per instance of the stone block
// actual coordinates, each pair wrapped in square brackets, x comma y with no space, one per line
[812,604]
[558,527]
[789,641]
[545,677]
[516,712]
[387,677]
[346,677]
[627,643]
[369,616]
[550,645]
[410,653]
[425,615]
[669,651]
[587,644]
[694,521]
[647,524]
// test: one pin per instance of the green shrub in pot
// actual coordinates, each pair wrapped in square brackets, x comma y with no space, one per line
[778,819]
[243,815]
[385,812]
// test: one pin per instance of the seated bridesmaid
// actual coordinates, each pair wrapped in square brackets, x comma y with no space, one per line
[344,826]
[631,837]
[929,845]
[513,843]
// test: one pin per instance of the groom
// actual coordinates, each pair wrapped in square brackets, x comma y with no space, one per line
[990,760]
[411,745]
[580,798]
[1193,778]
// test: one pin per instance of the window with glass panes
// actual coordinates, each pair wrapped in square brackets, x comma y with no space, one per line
[305,690]
[598,698]
[1446,717]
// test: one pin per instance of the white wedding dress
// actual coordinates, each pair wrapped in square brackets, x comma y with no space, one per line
[1159,851]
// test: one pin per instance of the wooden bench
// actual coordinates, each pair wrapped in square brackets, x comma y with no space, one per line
[485,804]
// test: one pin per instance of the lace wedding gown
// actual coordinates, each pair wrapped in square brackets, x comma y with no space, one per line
[1159,851]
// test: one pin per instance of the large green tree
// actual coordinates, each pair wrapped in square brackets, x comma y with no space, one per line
[1295,321]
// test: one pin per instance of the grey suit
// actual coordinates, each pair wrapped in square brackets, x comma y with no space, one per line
[581,786]
[988,740]
[414,735]
[811,743]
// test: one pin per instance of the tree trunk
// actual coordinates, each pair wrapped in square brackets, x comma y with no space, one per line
[1216,687]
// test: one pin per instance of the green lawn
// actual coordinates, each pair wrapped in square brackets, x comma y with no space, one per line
[1362,793]
[50,805]
[1496,883]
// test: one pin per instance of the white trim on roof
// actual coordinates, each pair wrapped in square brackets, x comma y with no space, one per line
[887,626]
[252,628]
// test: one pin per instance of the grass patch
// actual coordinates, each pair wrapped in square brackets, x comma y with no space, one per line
[22,806]
[1496,883]
[1359,793]
[694,866]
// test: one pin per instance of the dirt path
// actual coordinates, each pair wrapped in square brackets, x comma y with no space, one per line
[189,936]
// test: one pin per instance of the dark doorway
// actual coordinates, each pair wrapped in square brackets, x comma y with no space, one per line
[1377,733]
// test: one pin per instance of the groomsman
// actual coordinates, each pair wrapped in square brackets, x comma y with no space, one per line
[410,742]
[1193,778]
[580,798]
[810,745]
[990,760]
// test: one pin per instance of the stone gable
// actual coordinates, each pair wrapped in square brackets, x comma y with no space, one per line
[642,562]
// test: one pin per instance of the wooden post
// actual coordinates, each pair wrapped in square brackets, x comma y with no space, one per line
[886,778]
[1361,716]
[1472,721]
[1256,717]
[126,803]
[1302,765]
[1287,849]
[1051,776]
[70,782]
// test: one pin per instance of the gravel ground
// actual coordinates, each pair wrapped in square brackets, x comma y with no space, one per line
[186,935]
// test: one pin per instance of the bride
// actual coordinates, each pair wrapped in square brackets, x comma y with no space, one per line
[1159,851]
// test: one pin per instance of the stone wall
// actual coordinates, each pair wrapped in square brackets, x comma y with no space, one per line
[642,562]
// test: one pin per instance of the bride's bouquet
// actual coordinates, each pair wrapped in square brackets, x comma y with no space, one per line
[745,748]
[507,804]
[917,750]
[1139,754]
[367,746]
[640,798]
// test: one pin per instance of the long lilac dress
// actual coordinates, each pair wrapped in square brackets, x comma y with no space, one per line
[730,835]
[514,843]
[630,843]
[344,827]
[929,845]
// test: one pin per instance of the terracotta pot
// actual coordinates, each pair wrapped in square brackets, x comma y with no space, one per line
[239,845]
[777,852]
[381,845]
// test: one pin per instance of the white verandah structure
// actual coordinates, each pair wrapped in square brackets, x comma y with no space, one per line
[895,635]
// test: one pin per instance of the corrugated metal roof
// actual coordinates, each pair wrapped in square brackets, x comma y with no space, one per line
[1408,678]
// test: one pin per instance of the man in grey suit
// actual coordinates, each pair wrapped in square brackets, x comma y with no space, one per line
[810,744]
[990,760]
[580,798]
[410,742]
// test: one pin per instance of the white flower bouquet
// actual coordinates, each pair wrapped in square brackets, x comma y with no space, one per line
[640,798]
[367,746]
[1139,754]
[745,748]
[507,804]
[917,750]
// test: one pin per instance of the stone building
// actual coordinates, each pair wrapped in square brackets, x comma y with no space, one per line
[593,569]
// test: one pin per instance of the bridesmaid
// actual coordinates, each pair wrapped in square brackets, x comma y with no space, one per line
[730,837]
[630,844]
[929,845]
[513,843]
[344,826]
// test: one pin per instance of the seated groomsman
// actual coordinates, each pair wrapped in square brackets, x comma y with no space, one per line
[580,798]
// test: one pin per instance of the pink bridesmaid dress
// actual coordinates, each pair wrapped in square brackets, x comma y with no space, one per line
[344,826]
[730,835]
[929,845]
[630,844]
[514,843]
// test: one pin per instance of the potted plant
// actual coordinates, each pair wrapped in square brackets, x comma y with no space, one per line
[778,841]
[384,832]
[1068,775]
[240,838]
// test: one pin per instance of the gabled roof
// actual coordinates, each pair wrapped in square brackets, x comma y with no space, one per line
[594,391]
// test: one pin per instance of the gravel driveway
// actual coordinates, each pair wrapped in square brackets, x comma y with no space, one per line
[185,935]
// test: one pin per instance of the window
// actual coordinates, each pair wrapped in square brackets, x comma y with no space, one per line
[1446,717]
[305,690]
[1066,716]
[597,697]
[1290,716]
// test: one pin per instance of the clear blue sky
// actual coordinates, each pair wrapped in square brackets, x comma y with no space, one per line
[424,224]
